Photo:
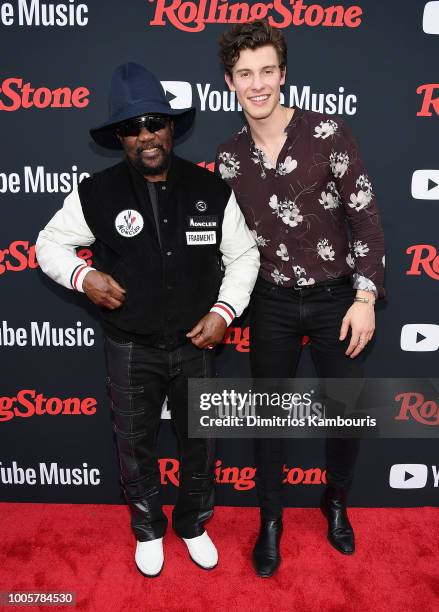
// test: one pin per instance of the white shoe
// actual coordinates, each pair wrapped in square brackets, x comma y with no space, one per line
[202,551]
[149,557]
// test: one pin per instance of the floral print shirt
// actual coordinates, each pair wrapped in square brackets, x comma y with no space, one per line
[313,215]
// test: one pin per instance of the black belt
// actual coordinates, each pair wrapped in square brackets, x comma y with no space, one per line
[331,282]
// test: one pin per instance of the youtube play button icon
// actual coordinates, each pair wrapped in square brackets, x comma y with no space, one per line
[425,185]
[408,476]
[178,94]
[420,337]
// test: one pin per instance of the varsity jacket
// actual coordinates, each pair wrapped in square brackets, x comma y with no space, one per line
[193,254]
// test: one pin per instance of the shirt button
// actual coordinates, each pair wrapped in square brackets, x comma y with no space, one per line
[165,220]
[169,253]
[169,287]
[164,188]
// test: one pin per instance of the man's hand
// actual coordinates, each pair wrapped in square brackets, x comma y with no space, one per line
[209,331]
[103,290]
[361,319]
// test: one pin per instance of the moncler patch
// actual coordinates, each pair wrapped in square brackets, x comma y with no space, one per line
[200,238]
[129,223]
[202,221]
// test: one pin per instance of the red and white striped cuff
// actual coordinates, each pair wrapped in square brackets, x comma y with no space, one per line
[225,310]
[78,275]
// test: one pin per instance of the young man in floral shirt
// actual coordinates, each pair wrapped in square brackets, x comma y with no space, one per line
[300,182]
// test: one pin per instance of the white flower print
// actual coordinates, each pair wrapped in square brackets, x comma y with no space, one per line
[286,210]
[364,284]
[330,198]
[229,168]
[291,216]
[364,182]
[259,157]
[360,249]
[350,261]
[287,166]
[300,274]
[361,199]
[299,271]
[274,202]
[325,129]
[339,163]
[260,240]
[282,252]
[383,261]
[279,278]
[325,250]
[243,130]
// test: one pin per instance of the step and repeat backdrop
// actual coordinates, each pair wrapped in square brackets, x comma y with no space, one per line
[373,63]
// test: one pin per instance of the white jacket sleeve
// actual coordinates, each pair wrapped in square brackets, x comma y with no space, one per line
[240,257]
[56,244]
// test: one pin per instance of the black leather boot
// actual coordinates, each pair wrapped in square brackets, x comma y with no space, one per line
[266,556]
[340,532]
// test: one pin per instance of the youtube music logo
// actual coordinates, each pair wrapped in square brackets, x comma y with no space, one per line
[408,476]
[181,95]
[425,185]
[420,337]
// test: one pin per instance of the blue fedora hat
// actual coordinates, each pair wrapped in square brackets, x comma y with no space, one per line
[136,91]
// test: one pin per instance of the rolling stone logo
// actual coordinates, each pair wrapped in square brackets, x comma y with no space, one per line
[425,258]
[190,16]
[15,94]
[20,255]
[243,478]
[28,403]
[415,406]
[239,338]
[430,99]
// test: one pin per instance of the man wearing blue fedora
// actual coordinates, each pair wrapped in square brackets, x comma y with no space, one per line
[173,264]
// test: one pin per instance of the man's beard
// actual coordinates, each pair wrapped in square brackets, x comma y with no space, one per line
[152,170]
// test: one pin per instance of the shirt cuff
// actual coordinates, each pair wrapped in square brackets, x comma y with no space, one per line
[224,309]
[363,283]
[78,275]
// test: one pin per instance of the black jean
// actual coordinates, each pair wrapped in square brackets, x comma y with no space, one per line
[279,318]
[139,379]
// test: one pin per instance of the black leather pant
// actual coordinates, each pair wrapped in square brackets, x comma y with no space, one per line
[279,318]
[139,379]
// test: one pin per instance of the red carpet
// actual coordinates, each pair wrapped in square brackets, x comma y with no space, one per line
[89,549]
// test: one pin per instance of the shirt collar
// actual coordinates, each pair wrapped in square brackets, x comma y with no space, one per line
[245,131]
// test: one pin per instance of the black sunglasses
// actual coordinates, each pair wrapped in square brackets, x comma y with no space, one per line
[133,127]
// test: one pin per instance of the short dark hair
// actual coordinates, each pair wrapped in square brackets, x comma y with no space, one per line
[251,35]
